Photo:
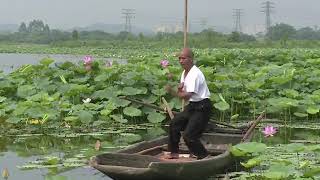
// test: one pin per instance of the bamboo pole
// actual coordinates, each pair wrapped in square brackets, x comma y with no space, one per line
[185,24]
[173,112]
[185,39]
[252,127]
[168,108]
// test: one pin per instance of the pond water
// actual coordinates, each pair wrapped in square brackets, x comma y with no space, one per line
[17,153]
[9,62]
[20,153]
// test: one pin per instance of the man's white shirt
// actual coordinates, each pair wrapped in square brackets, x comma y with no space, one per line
[195,82]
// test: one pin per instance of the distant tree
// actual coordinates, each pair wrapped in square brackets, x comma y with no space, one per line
[95,35]
[247,38]
[307,33]
[260,35]
[123,35]
[46,29]
[159,36]
[234,37]
[240,37]
[281,31]
[75,35]
[57,35]
[36,26]
[23,28]
[209,34]
[141,36]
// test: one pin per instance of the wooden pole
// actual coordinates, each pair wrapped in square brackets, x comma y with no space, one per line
[251,129]
[185,39]
[185,23]
[173,112]
[168,108]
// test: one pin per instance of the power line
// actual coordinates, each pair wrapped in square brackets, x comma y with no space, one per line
[237,13]
[128,16]
[267,9]
[203,22]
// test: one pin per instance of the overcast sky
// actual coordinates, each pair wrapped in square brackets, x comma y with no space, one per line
[71,13]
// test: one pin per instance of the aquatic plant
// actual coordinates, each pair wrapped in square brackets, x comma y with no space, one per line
[164,63]
[269,131]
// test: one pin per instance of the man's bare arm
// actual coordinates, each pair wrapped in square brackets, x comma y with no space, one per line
[184,95]
[179,93]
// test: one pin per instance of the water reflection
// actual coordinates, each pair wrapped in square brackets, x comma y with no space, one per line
[21,151]
[62,157]
[9,62]
[286,135]
[10,160]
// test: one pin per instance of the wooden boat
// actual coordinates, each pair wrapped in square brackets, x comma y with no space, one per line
[143,160]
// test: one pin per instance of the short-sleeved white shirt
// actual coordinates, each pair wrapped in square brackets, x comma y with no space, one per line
[195,82]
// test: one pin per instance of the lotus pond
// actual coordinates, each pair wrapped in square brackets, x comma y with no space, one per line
[51,112]
[64,156]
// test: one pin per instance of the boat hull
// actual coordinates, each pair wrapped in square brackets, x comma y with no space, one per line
[138,161]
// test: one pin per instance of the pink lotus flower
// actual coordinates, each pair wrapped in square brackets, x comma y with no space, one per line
[269,131]
[87,60]
[164,63]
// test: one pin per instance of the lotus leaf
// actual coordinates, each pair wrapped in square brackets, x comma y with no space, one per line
[26,91]
[13,120]
[252,162]
[131,111]
[119,102]
[222,106]
[155,117]
[46,61]
[295,147]
[279,171]
[150,99]
[251,147]
[313,109]
[119,118]
[154,132]
[50,177]
[108,109]
[85,117]
[130,91]
[102,77]
[107,93]
[314,171]
[291,93]
[2,99]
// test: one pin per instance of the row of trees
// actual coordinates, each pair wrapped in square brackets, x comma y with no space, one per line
[38,32]
[285,31]
[35,26]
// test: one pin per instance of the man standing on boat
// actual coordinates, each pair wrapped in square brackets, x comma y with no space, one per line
[195,116]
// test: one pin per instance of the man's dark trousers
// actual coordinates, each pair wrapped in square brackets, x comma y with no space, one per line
[192,121]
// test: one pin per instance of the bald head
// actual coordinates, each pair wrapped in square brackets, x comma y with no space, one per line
[187,52]
[186,58]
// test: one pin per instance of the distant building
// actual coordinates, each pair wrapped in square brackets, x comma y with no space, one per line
[167,28]
[254,29]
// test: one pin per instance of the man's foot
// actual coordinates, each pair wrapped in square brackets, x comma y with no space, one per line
[171,156]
